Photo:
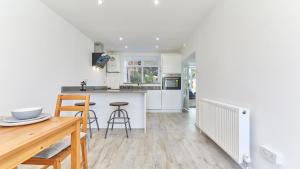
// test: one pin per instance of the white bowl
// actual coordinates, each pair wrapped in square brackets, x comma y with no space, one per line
[27,113]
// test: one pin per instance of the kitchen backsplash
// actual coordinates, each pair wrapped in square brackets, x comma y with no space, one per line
[113,80]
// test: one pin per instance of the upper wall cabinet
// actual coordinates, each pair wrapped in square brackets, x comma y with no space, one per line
[171,63]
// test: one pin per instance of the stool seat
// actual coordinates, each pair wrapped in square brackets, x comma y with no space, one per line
[82,104]
[118,103]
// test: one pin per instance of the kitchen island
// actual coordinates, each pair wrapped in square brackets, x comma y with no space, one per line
[102,97]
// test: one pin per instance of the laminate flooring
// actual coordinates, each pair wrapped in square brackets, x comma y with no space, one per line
[172,142]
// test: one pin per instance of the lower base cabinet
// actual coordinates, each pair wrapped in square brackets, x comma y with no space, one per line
[154,100]
[171,99]
[164,101]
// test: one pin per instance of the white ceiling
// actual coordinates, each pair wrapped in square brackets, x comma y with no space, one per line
[139,22]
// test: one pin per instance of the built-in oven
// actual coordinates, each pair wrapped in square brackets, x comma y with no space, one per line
[171,82]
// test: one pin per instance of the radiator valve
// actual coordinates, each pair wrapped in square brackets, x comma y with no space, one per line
[246,162]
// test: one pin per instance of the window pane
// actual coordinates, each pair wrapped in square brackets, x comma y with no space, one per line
[134,75]
[150,63]
[151,75]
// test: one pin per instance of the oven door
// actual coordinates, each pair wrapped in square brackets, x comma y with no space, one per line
[171,83]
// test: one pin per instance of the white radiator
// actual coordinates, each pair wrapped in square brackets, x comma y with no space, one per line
[228,126]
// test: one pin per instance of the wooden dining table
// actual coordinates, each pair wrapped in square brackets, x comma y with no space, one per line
[17,144]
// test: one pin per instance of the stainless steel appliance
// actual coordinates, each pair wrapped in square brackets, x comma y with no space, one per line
[171,81]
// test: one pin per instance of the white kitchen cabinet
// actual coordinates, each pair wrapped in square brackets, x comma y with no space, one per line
[172,100]
[171,63]
[154,99]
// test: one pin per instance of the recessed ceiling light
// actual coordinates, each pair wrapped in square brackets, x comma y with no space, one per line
[126,47]
[156,2]
[157,38]
[121,38]
[100,2]
[156,46]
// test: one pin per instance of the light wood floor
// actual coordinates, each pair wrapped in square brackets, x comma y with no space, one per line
[172,142]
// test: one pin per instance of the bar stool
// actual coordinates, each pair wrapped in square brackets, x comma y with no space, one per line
[91,119]
[122,114]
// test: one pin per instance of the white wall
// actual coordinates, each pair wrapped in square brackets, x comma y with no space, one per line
[248,55]
[39,53]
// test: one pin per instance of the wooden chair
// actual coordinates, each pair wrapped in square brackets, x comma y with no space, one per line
[60,153]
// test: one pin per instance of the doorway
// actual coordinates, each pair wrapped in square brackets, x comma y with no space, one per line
[192,86]
[190,83]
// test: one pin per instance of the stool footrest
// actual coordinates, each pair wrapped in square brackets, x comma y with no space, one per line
[118,122]
[111,121]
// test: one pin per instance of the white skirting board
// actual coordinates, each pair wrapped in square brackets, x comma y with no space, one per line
[164,111]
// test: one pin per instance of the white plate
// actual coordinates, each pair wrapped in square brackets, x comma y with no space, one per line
[14,120]
[5,124]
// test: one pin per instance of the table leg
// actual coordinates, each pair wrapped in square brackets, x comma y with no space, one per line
[75,147]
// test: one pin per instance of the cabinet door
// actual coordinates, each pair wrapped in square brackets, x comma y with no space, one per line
[171,99]
[171,63]
[153,99]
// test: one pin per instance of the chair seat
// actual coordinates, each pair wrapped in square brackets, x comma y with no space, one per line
[82,104]
[118,103]
[57,148]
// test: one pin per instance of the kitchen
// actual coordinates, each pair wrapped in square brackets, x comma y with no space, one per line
[149,82]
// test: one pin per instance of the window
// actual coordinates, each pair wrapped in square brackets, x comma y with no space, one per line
[142,70]
[134,75]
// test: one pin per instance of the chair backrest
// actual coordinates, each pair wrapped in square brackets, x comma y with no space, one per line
[85,109]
